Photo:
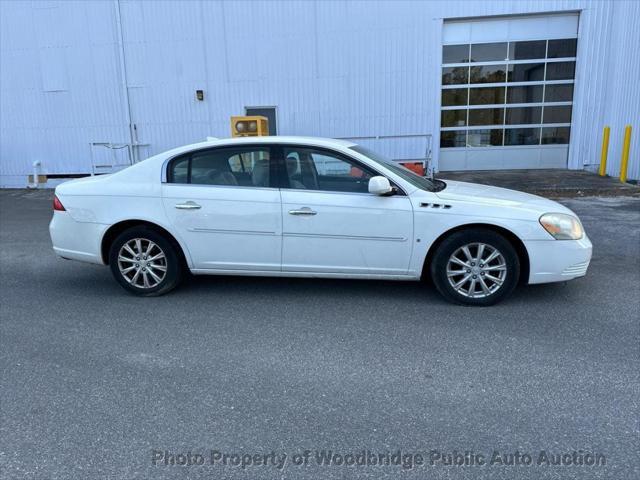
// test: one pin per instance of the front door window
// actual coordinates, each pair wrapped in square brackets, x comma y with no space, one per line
[312,169]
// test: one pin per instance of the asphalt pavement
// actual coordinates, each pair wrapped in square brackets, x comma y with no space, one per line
[98,384]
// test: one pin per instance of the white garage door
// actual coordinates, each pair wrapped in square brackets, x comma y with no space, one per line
[507,91]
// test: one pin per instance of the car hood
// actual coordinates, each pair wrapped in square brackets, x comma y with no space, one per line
[499,197]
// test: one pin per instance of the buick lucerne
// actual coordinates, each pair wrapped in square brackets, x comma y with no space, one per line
[311,207]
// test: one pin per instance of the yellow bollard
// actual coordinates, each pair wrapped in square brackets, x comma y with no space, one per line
[624,162]
[605,151]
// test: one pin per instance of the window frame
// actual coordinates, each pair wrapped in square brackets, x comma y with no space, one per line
[168,170]
[168,164]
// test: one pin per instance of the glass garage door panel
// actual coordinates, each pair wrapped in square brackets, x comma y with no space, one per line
[486,116]
[527,50]
[453,118]
[486,96]
[525,94]
[523,116]
[510,93]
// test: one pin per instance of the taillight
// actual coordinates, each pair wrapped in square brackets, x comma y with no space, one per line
[57,205]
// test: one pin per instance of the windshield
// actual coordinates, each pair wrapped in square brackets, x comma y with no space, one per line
[414,179]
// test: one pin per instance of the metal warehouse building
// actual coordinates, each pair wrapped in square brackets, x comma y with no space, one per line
[89,86]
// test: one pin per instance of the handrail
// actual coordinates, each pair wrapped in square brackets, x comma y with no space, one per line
[113,147]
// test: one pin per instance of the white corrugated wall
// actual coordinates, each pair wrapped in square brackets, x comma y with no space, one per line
[59,86]
[607,76]
[337,69]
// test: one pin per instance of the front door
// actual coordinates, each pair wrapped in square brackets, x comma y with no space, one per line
[331,224]
[221,203]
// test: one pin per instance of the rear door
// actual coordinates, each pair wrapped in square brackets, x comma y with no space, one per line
[332,224]
[222,204]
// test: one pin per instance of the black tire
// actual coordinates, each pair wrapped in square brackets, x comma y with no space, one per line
[472,238]
[171,262]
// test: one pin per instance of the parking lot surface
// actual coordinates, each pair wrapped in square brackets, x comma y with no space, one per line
[94,380]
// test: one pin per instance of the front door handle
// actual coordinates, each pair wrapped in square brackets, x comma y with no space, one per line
[188,206]
[303,211]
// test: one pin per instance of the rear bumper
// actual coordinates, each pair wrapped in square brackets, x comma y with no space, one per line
[558,260]
[76,240]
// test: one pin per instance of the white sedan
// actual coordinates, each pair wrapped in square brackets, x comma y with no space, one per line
[311,207]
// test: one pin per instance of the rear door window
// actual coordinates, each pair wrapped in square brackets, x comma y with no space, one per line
[239,166]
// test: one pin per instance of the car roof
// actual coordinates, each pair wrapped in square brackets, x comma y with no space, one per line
[284,139]
[220,142]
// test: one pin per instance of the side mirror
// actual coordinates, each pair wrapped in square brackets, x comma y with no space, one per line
[379,185]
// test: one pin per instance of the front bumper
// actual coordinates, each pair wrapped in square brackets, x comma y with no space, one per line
[558,260]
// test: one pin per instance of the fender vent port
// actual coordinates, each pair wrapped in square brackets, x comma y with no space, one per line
[434,205]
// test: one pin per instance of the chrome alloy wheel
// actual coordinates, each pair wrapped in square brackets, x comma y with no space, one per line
[142,263]
[476,270]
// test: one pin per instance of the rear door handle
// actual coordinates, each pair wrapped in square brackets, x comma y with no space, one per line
[188,206]
[303,211]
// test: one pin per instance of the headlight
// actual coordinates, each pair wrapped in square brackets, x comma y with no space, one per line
[562,226]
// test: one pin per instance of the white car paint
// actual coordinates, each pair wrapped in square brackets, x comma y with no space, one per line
[362,234]
[249,231]
[236,228]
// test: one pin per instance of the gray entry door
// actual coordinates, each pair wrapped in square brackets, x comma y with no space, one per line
[269,112]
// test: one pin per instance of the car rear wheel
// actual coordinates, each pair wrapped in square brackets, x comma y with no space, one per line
[475,267]
[144,262]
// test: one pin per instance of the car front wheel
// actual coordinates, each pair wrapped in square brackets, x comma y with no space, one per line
[475,267]
[144,262]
